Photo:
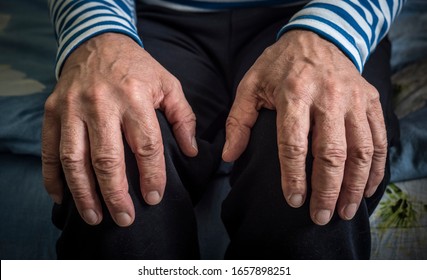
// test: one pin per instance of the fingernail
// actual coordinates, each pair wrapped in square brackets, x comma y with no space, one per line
[123,219]
[226,145]
[369,192]
[350,211]
[194,143]
[90,216]
[322,217]
[152,197]
[296,200]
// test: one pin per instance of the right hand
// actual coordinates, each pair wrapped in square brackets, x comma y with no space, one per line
[108,86]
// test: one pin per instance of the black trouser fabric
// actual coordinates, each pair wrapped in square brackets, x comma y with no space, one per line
[209,53]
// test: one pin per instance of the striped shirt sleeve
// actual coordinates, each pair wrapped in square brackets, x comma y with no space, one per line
[355,26]
[76,21]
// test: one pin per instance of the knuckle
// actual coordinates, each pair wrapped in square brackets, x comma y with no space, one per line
[327,194]
[295,85]
[80,194]
[233,125]
[175,84]
[332,156]
[373,92]
[157,93]
[246,107]
[155,88]
[105,163]
[71,160]
[294,180]
[49,158]
[154,179]
[50,106]
[93,95]
[268,50]
[251,81]
[354,189]
[300,93]
[292,151]
[361,155]
[130,85]
[132,88]
[331,86]
[150,150]
[233,122]
[115,197]
[380,149]
[190,118]
[187,119]
[98,101]
[377,174]
[69,101]
[167,84]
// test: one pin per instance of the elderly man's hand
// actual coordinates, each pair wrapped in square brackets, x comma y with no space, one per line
[313,86]
[110,87]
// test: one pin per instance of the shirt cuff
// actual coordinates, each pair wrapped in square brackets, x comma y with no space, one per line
[355,27]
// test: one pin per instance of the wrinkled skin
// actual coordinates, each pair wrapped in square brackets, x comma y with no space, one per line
[110,87]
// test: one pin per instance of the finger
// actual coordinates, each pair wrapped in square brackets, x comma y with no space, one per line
[357,166]
[329,152]
[75,160]
[51,164]
[379,139]
[143,134]
[293,126]
[182,118]
[107,156]
[241,119]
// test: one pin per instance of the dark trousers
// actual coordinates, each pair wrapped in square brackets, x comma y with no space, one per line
[209,53]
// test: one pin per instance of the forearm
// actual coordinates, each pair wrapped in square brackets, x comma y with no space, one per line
[77,21]
[355,27]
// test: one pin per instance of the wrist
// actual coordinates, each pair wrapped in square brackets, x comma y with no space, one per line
[105,45]
[311,44]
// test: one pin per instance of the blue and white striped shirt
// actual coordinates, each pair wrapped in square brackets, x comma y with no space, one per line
[355,26]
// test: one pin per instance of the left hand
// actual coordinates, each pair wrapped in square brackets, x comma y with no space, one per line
[313,86]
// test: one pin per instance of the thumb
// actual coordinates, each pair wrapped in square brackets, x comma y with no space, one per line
[241,119]
[182,118]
